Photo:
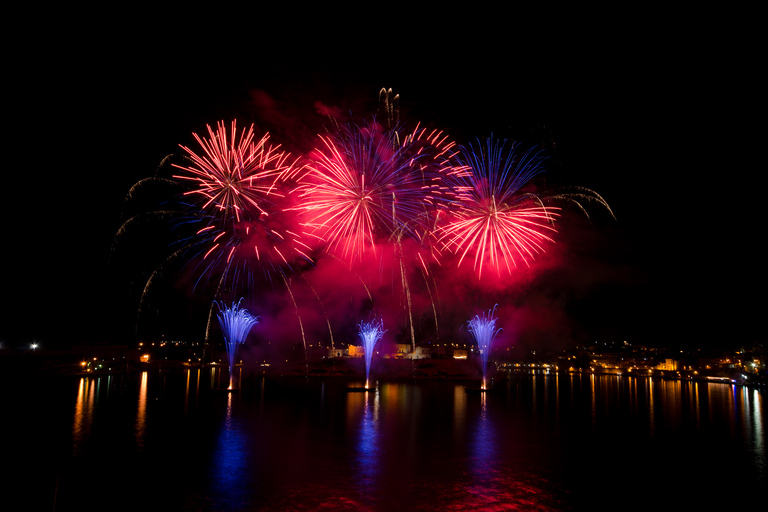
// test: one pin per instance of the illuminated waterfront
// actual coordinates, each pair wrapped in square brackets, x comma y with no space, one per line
[538,441]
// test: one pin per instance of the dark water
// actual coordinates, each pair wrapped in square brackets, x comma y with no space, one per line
[172,441]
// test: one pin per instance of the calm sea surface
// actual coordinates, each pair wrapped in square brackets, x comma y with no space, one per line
[539,441]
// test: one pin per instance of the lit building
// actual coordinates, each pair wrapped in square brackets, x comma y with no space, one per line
[668,364]
[459,353]
[402,349]
[355,351]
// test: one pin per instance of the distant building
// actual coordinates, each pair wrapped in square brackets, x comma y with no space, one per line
[402,349]
[668,364]
[420,353]
[355,351]
[459,353]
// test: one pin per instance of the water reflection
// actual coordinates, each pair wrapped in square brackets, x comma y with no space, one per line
[755,401]
[415,446]
[81,427]
[696,405]
[494,480]
[230,465]
[651,411]
[593,401]
[364,407]
[459,412]
[186,392]
[748,406]
[483,445]
[141,414]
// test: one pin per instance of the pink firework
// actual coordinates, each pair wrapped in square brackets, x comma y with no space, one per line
[494,222]
[237,184]
[234,174]
[363,187]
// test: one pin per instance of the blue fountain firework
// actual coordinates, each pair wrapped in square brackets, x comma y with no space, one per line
[484,331]
[370,334]
[235,325]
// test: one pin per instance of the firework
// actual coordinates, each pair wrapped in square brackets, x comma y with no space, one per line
[234,174]
[370,334]
[368,190]
[380,198]
[364,187]
[484,331]
[494,220]
[235,325]
[237,194]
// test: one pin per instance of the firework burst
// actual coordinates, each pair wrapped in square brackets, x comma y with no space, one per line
[378,197]
[239,194]
[494,221]
[363,187]
[233,174]
[222,214]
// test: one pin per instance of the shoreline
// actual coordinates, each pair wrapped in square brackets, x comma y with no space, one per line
[392,370]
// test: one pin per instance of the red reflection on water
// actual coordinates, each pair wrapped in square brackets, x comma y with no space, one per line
[492,482]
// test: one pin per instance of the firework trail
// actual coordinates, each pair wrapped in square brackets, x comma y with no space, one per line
[389,103]
[495,221]
[370,334]
[149,214]
[235,325]
[484,331]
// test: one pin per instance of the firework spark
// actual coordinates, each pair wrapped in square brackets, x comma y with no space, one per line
[234,174]
[235,325]
[494,220]
[375,196]
[370,334]
[238,186]
[363,187]
[484,331]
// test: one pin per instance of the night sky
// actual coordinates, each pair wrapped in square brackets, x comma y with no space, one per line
[644,125]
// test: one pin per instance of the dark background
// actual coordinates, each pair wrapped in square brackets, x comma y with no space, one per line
[654,113]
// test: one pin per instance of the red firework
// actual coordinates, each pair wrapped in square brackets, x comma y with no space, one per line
[494,221]
[363,187]
[234,174]
[237,182]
